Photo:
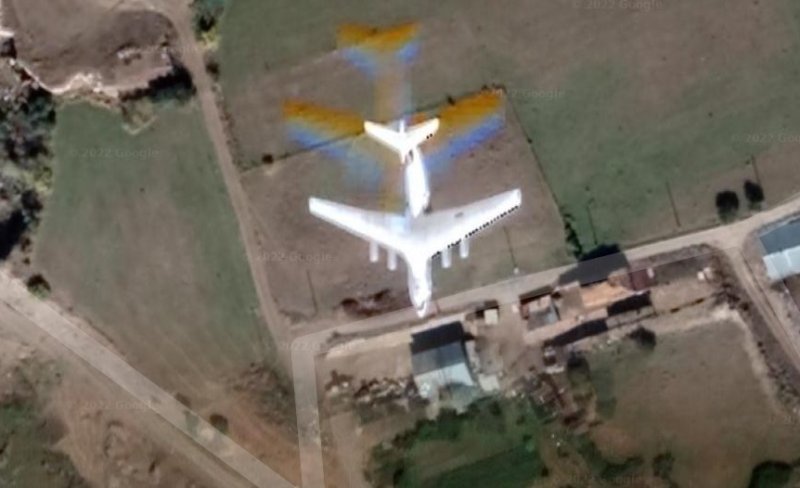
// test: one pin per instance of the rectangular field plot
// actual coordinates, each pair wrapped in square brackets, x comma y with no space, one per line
[710,396]
[315,266]
[449,64]
[139,238]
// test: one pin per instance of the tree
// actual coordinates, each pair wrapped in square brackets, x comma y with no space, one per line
[645,338]
[727,205]
[219,422]
[573,240]
[38,286]
[754,194]
[206,15]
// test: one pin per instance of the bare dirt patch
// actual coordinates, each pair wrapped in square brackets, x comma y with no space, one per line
[316,266]
[444,67]
[115,46]
[82,429]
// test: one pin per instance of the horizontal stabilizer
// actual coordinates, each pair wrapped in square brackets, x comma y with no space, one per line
[404,141]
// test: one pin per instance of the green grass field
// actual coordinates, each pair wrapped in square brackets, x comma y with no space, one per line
[257,37]
[626,108]
[695,396]
[140,238]
[495,443]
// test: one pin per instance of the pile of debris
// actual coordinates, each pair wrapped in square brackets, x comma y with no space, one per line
[373,398]
[387,390]
[375,304]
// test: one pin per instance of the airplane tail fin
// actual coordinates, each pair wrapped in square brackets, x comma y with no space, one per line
[402,141]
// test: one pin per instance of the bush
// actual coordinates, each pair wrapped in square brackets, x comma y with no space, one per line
[27,119]
[206,15]
[26,122]
[662,466]
[38,286]
[573,240]
[644,338]
[754,194]
[727,205]
[176,86]
[770,474]
[219,422]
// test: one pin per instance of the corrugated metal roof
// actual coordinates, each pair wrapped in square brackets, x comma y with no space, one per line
[782,250]
[437,337]
[431,382]
[781,238]
[438,358]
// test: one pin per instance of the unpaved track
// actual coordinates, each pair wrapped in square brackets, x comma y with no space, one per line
[65,329]
[108,397]
[191,54]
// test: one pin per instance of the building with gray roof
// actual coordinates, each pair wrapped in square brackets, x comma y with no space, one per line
[782,250]
[439,360]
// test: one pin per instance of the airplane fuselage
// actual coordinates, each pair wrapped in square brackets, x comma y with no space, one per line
[418,193]
[420,283]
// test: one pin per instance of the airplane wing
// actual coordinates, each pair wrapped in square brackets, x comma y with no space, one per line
[382,228]
[445,228]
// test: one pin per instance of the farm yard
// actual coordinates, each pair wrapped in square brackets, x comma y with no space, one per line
[638,112]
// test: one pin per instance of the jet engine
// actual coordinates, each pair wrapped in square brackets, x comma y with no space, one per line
[374,252]
[447,257]
[463,248]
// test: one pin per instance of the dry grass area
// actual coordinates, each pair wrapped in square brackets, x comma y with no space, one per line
[140,239]
[115,42]
[330,80]
[703,395]
[778,173]
[317,265]
[617,98]
[695,205]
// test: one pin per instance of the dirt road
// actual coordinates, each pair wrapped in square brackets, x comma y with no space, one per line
[191,54]
[15,296]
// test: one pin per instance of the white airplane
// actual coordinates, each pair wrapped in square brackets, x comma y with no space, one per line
[418,235]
